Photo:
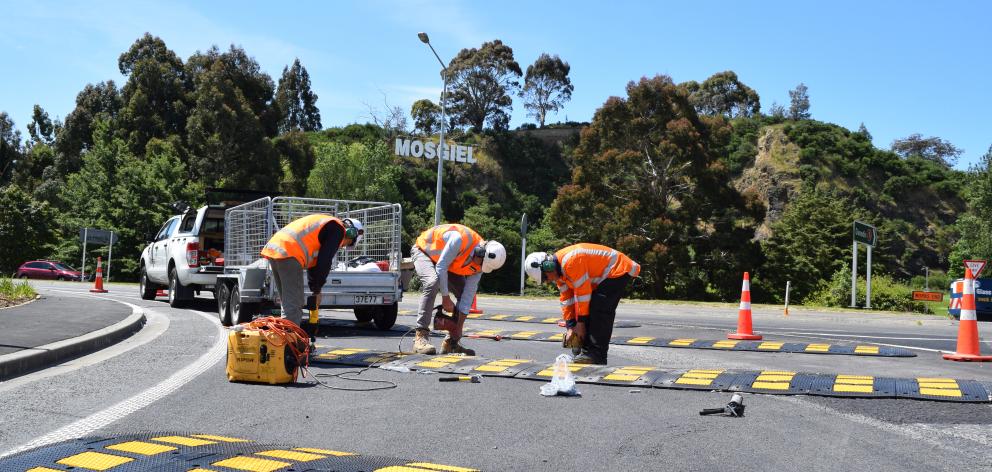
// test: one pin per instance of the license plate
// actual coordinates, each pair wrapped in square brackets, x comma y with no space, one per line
[368,300]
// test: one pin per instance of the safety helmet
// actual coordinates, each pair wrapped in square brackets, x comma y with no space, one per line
[353,230]
[494,256]
[537,263]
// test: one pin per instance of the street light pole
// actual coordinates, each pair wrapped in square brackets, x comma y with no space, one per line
[441,145]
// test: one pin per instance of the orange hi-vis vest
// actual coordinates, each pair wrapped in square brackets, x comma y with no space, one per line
[299,240]
[583,267]
[432,243]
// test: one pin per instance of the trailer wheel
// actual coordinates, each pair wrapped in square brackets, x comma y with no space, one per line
[385,316]
[241,312]
[223,296]
[364,314]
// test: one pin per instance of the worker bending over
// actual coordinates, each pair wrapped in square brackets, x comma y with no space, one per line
[450,258]
[591,279]
[310,242]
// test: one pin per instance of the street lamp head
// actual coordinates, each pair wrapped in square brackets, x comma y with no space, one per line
[423,37]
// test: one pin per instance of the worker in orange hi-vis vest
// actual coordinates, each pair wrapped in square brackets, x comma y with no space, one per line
[450,258]
[309,243]
[591,278]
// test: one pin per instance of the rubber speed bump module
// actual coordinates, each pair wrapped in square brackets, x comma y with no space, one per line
[775,382]
[719,345]
[168,452]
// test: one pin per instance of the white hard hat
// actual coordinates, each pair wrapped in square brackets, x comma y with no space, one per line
[359,230]
[532,265]
[494,258]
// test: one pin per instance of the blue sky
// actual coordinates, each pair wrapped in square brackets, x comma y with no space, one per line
[899,67]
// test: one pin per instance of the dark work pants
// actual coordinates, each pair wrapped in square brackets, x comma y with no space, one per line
[602,312]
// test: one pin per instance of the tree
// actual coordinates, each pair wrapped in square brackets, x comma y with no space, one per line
[297,157]
[863,131]
[546,86]
[647,181]
[799,103]
[357,171]
[41,128]
[932,149]
[231,122]
[296,102]
[242,72]
[975,226]
[777,110]
[481,82]
[426,116]
[724,94]
[809,243]
[155,101]
[100,102]
[10,147]
[26,228]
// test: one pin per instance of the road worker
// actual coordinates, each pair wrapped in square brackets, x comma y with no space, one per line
[307,243]
[450,259]
[591,279]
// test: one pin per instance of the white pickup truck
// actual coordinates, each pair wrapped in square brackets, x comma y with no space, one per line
[185,256]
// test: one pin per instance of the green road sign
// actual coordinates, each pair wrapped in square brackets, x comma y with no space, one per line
[864,233]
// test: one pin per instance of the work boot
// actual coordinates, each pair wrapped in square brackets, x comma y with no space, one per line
[451,346]
[422,343]
[585,358]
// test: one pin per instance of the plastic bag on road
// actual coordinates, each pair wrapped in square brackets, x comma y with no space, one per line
[562,380]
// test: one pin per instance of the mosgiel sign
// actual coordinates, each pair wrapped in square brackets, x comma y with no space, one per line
[427,149]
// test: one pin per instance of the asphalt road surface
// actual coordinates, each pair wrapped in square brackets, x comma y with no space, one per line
[170,377]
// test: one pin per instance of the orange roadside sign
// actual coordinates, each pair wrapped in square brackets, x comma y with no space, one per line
[928,296]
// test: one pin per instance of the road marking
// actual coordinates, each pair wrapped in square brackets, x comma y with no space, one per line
[126,407]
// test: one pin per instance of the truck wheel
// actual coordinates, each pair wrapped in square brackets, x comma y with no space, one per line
[364,314]
[385,316]
[223,296]
[241,312]
[178,295]
[145,288]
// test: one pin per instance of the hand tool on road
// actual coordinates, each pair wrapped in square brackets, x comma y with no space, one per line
[462,378]
[494,337]
[734,409]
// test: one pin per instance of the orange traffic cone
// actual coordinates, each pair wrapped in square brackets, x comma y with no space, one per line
[968,325]
[744,331]
[475,309]
[98,288]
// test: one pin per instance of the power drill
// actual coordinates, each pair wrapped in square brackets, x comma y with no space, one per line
[313,305]
[733,409]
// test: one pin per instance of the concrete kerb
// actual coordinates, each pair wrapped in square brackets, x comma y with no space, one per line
[36,358]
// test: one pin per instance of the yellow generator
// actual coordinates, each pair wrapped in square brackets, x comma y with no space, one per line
[263,355]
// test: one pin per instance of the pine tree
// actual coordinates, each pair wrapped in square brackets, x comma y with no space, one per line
[297,103]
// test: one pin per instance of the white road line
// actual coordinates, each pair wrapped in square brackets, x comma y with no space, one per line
[124,408]
[155,324]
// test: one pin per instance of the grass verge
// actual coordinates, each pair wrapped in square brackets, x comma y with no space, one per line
[14,293]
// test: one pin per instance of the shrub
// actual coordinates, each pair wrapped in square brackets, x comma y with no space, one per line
[886,293]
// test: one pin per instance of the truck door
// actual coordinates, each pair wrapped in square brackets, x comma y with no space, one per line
[160,251]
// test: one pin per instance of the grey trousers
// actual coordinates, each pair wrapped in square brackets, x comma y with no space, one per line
[288,275]
[429,286]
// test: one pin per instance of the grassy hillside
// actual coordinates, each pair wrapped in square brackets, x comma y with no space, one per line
[913,202]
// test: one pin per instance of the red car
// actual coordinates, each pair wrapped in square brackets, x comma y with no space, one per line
[47,270]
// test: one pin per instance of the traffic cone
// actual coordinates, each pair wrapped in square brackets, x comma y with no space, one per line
[968,349]
[744,331]
[99,277]
[475,309]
